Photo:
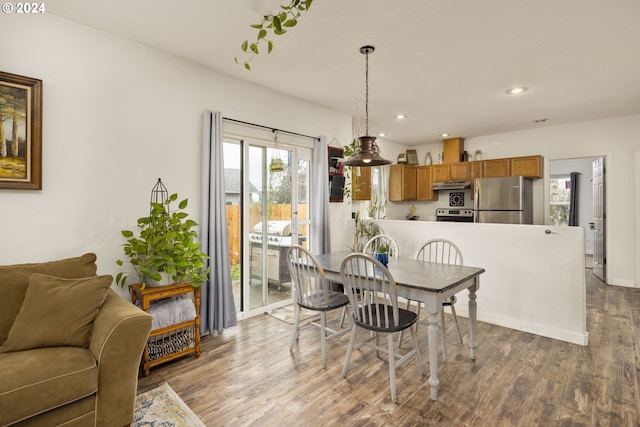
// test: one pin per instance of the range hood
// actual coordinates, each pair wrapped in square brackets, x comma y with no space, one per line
[452,185]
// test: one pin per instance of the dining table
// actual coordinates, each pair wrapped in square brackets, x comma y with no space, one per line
[427,282]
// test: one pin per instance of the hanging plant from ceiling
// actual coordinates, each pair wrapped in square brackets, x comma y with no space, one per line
[275,24]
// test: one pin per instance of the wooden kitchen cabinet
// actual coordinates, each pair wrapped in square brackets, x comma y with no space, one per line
[440,173]
[495,168]
[360,183]
[528,166]
[452,150]
[451,172]
[402,183]
[459,171]
[424,191]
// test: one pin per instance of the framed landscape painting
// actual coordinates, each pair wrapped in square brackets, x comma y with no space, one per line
[20,132]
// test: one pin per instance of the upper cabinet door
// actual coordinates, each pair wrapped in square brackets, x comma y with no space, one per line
[402,183]
[459,171]
[360,183]
[529,166]
[425,184]
[440,173]
[496,168]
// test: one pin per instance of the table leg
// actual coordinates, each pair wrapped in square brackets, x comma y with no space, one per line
[473,314]
[433,352]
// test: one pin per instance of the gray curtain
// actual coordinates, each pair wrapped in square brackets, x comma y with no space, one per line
[217,308]
[321,242]
[573,202]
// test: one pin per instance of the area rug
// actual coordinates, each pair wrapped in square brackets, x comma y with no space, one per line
[287,314]
[163,407]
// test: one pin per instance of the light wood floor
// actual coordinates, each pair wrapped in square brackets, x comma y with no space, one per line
[248,377]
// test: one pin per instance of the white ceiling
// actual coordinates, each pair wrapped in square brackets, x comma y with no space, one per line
[444,63]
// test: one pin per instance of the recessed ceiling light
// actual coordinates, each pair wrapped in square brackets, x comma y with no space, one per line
[444,135]
[401,116]
[516,90]
[382,134]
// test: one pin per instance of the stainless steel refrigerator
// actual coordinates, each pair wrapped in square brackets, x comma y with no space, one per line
[506,200]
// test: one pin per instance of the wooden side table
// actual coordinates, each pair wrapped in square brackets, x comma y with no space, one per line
[171,341]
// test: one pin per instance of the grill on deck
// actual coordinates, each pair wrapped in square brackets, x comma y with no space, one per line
[278,242]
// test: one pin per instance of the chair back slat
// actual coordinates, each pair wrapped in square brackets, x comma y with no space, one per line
[442,251]
[371,290]
[310,288]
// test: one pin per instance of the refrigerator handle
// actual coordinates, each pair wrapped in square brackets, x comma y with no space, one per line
[475,202]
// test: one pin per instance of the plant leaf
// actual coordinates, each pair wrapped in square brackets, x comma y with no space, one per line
[269,46]
[290,23]
[254,47]
[277,24]
[245,45]
[262,34]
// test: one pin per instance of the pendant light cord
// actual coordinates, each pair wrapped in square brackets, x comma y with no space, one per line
[366,102]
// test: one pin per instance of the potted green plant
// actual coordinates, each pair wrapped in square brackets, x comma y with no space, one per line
[166,249]
[381,253]
[364,230]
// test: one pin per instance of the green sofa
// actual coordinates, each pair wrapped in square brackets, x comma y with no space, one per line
[70,346]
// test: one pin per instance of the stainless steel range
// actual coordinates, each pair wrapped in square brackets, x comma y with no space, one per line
[454,215]
[278,242]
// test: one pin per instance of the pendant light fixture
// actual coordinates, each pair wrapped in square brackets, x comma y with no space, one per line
[368,150]
[276,164]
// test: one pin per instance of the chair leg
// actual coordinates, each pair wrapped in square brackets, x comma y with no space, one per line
[343,316]
[352,341]
[455,318]
[402,332]
[414,338]
[296,322]
[444,335]
[392,368]
[323,337]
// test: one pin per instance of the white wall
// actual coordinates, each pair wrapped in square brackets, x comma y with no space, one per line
[538,288]
[117,116]
[618,139]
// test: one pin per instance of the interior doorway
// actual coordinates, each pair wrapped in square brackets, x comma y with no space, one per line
[590,198]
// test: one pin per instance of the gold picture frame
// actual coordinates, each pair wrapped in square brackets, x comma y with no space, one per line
[20,132]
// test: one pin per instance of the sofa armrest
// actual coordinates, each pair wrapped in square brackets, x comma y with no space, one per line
[120,332]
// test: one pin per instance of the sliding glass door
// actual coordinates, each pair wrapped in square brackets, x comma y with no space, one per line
[270,213]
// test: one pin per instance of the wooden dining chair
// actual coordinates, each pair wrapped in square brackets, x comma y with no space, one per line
[313,292]
[441,251]
[378,312]
[369,248]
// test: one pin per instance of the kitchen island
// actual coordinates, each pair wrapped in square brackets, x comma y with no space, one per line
[534,279]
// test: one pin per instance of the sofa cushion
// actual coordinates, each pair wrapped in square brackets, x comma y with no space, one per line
[14,280]
[35,381]
[57,312]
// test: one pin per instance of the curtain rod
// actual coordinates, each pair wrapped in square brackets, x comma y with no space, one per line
[315,138]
